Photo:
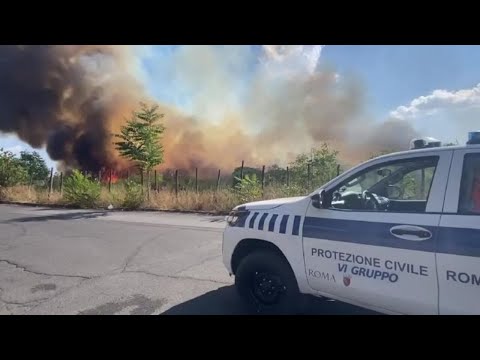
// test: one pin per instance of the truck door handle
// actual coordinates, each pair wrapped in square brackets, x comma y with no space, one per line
[410,232]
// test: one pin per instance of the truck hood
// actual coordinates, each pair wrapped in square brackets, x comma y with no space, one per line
[269,204]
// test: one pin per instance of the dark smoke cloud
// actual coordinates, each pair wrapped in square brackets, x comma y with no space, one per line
[49,98]
[72,98]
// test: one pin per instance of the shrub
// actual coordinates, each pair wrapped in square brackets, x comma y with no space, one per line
[81,190]
[291,191]
[248,189]
[133,195]
[11,170]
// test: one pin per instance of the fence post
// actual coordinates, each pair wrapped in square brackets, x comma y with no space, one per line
[110,181]
[309,185]
[288,177]
[156,181]
[196,180]
[176,183]
[148,184]
[338,169]
[99,176]
[218,180]
[51,183]
[263,179]
[61,184]
[241,171]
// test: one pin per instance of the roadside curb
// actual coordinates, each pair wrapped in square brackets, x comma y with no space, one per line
[64,206]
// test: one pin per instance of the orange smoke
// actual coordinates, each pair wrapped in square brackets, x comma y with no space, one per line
[72,99]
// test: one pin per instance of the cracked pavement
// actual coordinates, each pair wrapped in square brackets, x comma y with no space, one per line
[58,261]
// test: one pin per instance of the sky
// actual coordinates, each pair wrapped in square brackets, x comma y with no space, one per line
[436,88]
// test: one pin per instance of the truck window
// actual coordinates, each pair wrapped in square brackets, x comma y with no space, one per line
[399,186]
[416,184]
[469,200]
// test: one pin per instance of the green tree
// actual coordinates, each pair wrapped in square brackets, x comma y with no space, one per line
[140,138]
[323,167]
[35,165]
[11,170]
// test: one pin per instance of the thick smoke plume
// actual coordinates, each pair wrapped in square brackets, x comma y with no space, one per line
[67,98]
[72,98]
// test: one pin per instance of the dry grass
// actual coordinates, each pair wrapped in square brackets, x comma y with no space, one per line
[31,195]
[210,201]
[207,200]
[115,197]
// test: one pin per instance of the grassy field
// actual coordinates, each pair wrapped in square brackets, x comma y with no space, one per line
[187,200]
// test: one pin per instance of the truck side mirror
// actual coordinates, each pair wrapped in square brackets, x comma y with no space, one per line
[316,201]
[319,200]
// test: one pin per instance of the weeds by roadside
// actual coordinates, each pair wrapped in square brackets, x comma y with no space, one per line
[172,190]
[130,197]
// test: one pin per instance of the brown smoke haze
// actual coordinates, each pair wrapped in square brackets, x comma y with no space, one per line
[70,99]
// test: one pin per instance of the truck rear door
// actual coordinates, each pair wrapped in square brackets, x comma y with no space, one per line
[458,253]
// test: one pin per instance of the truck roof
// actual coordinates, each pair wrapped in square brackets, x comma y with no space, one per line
[434,149]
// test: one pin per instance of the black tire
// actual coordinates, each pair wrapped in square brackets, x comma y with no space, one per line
[264,268]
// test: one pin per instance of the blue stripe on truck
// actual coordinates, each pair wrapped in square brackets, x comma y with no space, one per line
[262,221]
[296,224]
[446,240]
[362,232]
[252,220]
[283,224]
[459,241]
[271,224]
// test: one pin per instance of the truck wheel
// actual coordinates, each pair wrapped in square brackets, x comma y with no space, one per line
[265,281]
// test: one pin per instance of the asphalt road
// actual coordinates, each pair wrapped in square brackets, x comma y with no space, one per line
[102,262]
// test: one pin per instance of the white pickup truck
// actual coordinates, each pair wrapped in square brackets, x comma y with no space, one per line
[398,234]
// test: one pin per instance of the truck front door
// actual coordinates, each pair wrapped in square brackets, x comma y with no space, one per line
[375,242]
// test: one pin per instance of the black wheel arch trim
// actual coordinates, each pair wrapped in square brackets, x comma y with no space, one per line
[247,246]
